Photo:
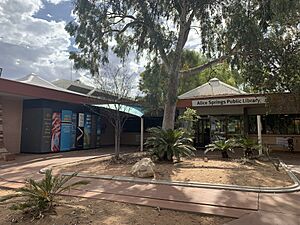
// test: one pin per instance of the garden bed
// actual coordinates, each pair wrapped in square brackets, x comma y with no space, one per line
[215,171]
[85,211]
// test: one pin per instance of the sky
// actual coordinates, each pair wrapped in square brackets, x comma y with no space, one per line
[33,40]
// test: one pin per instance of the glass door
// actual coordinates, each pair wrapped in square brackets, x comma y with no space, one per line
[218,128]
[202,132]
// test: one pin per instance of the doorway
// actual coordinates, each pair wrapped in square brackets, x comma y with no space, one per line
[202,132]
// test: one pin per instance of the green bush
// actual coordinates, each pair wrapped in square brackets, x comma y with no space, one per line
[37,197]
[164,144]
[224,146]
[188,119]
[248,145]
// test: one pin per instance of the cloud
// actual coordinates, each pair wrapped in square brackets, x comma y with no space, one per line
[56,2]
[30,44]
[33,40]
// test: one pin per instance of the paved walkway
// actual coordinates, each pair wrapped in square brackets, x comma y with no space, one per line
[248,207]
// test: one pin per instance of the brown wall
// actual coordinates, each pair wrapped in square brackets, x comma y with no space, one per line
[12,122]
[108,137]
[271,140]
[220,110]
[132,138]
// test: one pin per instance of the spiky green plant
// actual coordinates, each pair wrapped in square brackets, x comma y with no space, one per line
[248,145]
[168,143]
[224,146]
[38,197]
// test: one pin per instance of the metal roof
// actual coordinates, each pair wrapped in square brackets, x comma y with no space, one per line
[123,108]
[213,88]
[34,79]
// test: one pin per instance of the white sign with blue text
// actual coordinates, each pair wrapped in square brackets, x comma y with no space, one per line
[230,101]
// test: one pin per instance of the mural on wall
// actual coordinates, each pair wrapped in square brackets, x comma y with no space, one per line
[74,128]
[55,132]
[66,130]
[79,131]
[87,130]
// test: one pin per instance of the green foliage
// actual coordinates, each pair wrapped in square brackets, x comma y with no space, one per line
[267,36]
[248,145]
[224,146]
[154,80]
[188,119]
[164,144]
[189,115]
[153,84]
[38,197]
[259,38]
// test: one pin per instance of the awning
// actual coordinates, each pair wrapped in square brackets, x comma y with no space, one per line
[132,110]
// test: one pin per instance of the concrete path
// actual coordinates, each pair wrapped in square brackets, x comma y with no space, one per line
[248,207]
[292,159]
[264,218]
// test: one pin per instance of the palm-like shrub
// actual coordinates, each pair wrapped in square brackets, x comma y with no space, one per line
[224,146]
[38,197]
[248,145]
[164,144]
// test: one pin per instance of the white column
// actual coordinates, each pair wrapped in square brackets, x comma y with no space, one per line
[142,134]
[259,137]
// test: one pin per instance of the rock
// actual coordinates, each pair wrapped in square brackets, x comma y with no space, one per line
[143,168]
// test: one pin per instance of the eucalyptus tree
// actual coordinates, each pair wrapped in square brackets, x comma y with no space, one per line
[228,29]
[154,80]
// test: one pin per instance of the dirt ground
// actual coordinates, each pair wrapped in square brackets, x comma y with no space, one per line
[76,211]
[216,171]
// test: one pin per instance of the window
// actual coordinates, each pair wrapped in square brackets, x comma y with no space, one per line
[252,125]
[133,124]
[276,124]
[235,125]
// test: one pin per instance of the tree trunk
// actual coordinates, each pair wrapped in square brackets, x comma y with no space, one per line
[174,67]
[170,105]
[116,142]
[117,135]
[169,115]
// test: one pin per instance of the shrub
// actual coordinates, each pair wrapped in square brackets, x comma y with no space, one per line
[164,144]
[221,145]
[187,120]
[248,145]
[37,197]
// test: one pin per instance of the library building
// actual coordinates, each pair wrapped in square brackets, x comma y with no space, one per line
[225,111]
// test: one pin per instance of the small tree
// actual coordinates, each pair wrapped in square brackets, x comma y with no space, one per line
[188,119]
[118,83]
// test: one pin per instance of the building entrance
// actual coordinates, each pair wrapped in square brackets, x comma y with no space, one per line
[213,128]
[202,132]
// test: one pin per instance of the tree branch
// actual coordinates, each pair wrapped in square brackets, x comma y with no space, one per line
[199,69]
[154,33]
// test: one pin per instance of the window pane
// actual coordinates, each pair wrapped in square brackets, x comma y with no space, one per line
[297,126]
[235,125]
[252,125]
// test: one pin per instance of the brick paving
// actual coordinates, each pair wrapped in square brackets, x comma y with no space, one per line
[248,207]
